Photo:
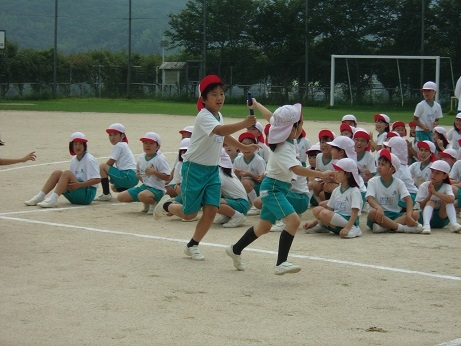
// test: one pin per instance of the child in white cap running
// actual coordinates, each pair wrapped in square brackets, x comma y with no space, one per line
[121,166]
[201,186]
[152,169]
[427,113]
[437,200]
[341,215]
[384,194]
[78,184]
[286,125]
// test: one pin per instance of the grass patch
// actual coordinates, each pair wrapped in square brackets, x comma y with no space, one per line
[189,108]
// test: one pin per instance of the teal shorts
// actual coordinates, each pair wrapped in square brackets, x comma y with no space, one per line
[122,179]
[299,201]
[458,199]
[135,191]
[423,136]
[390,214]
[403,204]
[436,220]
[240,204]
[200,185]
[257,187]
[274,197]
[337,229]
[82,196]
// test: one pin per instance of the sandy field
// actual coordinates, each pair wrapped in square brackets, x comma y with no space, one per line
[107,274]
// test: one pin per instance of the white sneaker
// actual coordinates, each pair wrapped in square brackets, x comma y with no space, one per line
[146,208]
[159,212]
[104,198]
[150,209]
[220,219]
[414,229]
[286,268]
[318,228]
[34,200]
[455,227]
[253,211]
[238,264]
[194,253]
[235,221]
[426,229]
[379,229]
[354,232]
[191,220]
[48,203]
[366,208]
[278,227]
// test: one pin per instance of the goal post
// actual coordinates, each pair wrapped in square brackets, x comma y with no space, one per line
[394,57]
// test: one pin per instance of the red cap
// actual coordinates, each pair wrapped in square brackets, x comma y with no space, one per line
[210,79]
[412,124]
[362,134]
[345,127]
[326,133]
[245,135]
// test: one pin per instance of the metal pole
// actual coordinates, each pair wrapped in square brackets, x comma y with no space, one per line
[204,41]
[55,53]
[128,78]
[306,46]
[422,42]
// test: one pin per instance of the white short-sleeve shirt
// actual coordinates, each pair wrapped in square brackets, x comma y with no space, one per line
[232,188]
[342,202]
[427,114]
[281,160]
[86,168]
[423,192]
[256,165]
[161,165]
[124,159]
[387,197]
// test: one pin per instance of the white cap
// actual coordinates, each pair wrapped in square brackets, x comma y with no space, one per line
[315,147]
[458,116]
[78,137]
[348,165]
[391,157]
[449,153]
[184,144]
[151,137]
[345,143]
[441,165]
[399,148]
[427,145]
[382,116]
[349,117]
[225,160]
[259,127]
[441,131]
[188,129]
[117,127]
[429,86]
[282,121]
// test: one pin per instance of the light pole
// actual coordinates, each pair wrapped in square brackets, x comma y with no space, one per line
[128,77]
[422,42]
[306,53]
[55,53]
[204,41]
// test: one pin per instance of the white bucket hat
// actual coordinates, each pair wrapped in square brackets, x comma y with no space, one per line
[225,160]
[348,165]
[441,165]
[399,148]
[184,144]
[282,122]
[151,137]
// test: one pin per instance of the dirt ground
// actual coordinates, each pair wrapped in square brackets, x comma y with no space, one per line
[107,274]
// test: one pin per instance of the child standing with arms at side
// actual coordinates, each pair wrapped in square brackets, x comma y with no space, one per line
[152,170]
[286,125]
[383,195]
[201,186]
[427,113]
[121,166]
[78,184]
[437,200]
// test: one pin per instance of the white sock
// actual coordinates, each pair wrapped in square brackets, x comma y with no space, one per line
[427,214]
[236,214]
[338,220]
[252,196]
[54,196]
[401,228]
[41,194]
[451,212]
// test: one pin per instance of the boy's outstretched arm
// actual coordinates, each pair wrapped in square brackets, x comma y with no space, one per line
[29,157]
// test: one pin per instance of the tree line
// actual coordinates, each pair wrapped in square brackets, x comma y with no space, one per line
[278,43]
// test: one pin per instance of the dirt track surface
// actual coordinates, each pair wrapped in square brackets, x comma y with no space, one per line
[107,274]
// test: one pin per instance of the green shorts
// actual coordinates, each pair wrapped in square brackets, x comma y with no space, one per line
[122,179]
[200,185]
[274,197]
[299,201]
[135,191]
[337,229]
[240,204]
[403,204]
[436,220]
[423,136]
[82,196]
[390,214]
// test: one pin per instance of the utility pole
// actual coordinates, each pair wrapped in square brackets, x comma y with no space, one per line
[128,77]
[204,41]
[55,53]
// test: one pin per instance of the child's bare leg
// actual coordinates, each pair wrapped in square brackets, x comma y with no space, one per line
[125,197]
[51,182]
[205,222]
[176,209]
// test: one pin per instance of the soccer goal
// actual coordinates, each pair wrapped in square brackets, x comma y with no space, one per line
[334,57]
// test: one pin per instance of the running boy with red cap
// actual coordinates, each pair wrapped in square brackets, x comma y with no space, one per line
[201,186]
[121,166]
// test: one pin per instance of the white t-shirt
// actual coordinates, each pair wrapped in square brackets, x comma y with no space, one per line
[428,114]
[231,188]
[454,136]
[177,177]
[281,160]
[458,93]
[423,192]
[160,163]
[387,197]
[367,161]
[85,169]
[404,174]
[302,145]
[342,202]
[124,159]
[205,146]
[256,165]
[417,171]
[455,172]
[299,184]
[322,165]
[381,137]
[264,152]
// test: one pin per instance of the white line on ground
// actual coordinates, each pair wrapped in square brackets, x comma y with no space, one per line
[312,258]
[456,342]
